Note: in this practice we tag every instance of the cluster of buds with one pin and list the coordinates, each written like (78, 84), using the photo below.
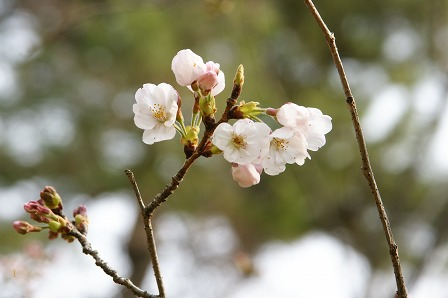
(48, 211)
(250, 145)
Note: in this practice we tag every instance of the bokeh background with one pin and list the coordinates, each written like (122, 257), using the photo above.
(68, 74)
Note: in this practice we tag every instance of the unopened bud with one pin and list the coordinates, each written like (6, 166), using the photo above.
(81, 209)
(81, 219)
(51, 198)
(271, 112)
(52, 235)
(54, 226)
(34, 207)
(248, 110)
(207, 82)
(239, 76)
(81, 223)
(39, 218)
(207, 105)
(191, 136)
(23, 227)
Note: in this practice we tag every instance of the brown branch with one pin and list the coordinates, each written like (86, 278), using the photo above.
(149, 235)
(87, 249)
(366, 167)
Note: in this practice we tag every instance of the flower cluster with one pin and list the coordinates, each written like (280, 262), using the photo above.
(250, 145)
(48, 211)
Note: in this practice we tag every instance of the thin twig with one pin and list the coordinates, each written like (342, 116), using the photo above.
(87, 249)
(149, 235)
(366, 167)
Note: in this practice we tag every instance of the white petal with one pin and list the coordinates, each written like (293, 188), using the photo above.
(222, 135)
(221, 84)
(187, 67)
(232, 154)
(143, 117)
(158, 133)
(319, 125)
(283, 133)
(292, 115)
(272, 168)
(320, 122)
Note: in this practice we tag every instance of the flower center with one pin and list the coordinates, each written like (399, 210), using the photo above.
(159, 112)
(239, 141)
(280, 144)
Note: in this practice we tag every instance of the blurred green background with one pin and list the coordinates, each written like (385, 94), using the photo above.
(70, 69)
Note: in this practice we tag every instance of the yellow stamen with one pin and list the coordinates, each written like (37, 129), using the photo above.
(239, 142)
(280, 144)
(159, 112)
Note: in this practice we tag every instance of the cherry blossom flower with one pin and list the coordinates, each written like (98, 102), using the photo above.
(286, 147)
(242, 143)
(308, 121)
(247, 175)
(189, 67)
(155, 112)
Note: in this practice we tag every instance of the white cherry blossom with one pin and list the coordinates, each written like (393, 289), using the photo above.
(308, 121)
(155, 112)
(286, 147)
(242, 143)
(189, 67)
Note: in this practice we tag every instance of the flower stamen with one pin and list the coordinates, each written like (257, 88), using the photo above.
(159, 112)
(280, 144)
(239, 142)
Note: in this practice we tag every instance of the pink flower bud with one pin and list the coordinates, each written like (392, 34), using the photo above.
(36, 208)
(81, 210)
(246, 175)
(23, 227)
(271, 112)
(212, 66)
(208, 81)
(81, 220)
(39, 218)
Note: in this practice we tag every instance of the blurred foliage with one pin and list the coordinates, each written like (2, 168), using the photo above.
(71, 113)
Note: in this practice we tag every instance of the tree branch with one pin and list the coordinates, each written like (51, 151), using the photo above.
(87, 249)
(366, 167)
(149, 235)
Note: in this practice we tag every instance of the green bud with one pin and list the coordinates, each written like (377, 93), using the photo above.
(215, 150)
(50, 197)
(250, 109)
(81, 223)
(54, 226)
(207, 105)
(191, 136)
(239, 76)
